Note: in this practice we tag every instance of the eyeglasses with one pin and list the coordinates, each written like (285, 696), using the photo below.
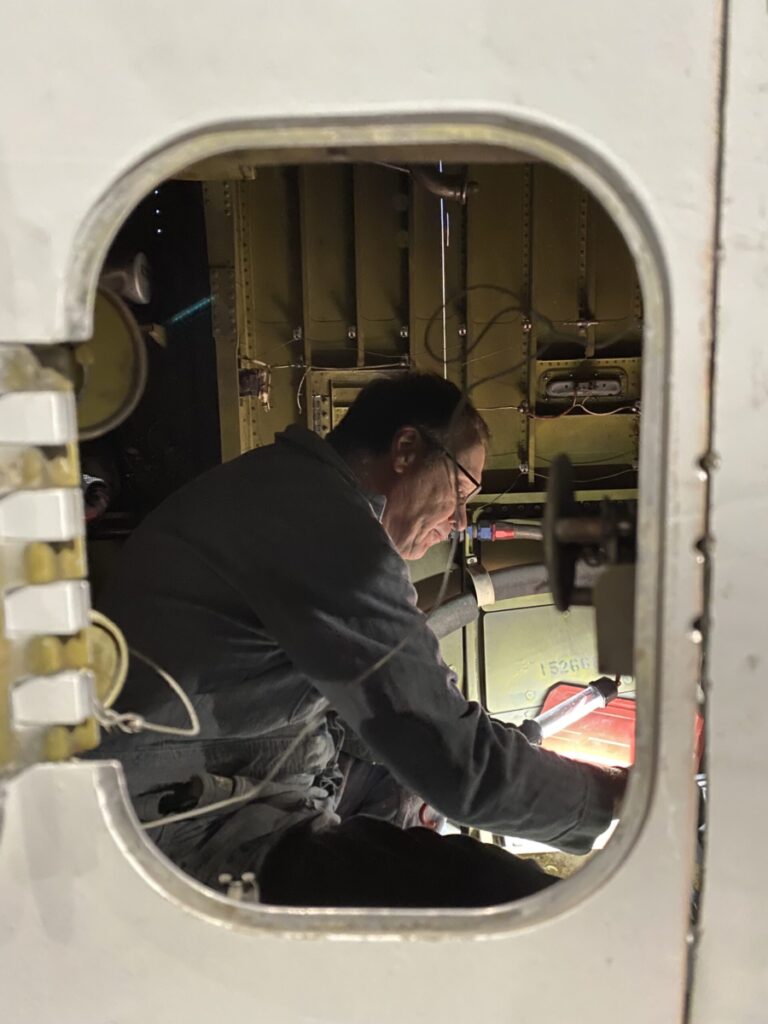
(476, 485)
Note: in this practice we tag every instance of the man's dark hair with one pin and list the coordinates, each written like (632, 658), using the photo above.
(423, 400)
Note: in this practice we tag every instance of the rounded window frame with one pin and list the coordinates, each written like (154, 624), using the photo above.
(592, 170)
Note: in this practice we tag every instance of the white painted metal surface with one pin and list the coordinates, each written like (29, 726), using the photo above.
(95, 925)
(62, 698)
(60, 608)
(50, 514)
(37, 417)
(731, 965)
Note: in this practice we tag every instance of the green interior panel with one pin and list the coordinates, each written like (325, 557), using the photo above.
(529, 649)
(436, 276)
(498, 296)
(381, 262)
(615, 445)
(269, 303)
(327, 253)
(342, 267)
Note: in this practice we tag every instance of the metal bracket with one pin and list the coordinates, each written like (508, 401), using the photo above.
(482, 583)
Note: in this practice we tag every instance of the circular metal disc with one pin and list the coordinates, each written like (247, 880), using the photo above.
(113, 368)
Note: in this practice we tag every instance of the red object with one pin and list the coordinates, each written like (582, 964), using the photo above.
(502, 531)
(604, 736)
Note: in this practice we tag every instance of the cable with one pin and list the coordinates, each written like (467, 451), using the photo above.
(397, 362)
(576, 404)
(530, 313)
(592, 462)
(100, 621)
(476, 512)
(298, 389)
(129, 722)
(592, 479)
(610, 412)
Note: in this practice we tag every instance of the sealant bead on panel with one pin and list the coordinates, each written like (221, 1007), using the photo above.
(45, 655)
(32, 467)
(38, 417)
(64, 698)
(19, 368)
(40, 562)
(51, 514)
(86, 736)
(58, 744)
(71, 562)
(62, 607)
(64, 470)
(85, 355)
(76, 653)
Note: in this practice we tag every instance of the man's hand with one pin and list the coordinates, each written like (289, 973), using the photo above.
(615, 781)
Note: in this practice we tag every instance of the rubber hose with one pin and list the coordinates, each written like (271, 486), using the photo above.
(514, 581)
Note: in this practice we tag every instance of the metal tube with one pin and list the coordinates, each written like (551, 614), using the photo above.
(594, 696)
(513, 581)
(446, 186)
(503, 530)
(572, 710)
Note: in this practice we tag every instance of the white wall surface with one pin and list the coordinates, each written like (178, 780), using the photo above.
(731, 966)
(91, 931)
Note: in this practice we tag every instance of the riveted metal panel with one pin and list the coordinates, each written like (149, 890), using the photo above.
(498, 303)
(381, 263)
(436, 277)
(529, 649)
(328, 265)
(220, 232)
(269, 299)
(613, 442)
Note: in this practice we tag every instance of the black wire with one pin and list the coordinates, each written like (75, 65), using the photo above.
(494, 501)
(592, 462)
(592, 479)
(535, 315)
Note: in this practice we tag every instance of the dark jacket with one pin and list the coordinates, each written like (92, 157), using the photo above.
(265, 585)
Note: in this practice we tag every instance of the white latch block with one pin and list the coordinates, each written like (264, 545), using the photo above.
(38, 417)
(52, 514)
(64, 698)
(60, 607)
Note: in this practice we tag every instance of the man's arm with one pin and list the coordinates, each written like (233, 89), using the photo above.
(349, 608)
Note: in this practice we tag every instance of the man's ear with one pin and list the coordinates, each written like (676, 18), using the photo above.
(405, 449)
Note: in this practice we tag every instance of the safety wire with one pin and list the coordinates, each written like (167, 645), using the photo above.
(129, 721)
(319, 713)
(394, 364)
